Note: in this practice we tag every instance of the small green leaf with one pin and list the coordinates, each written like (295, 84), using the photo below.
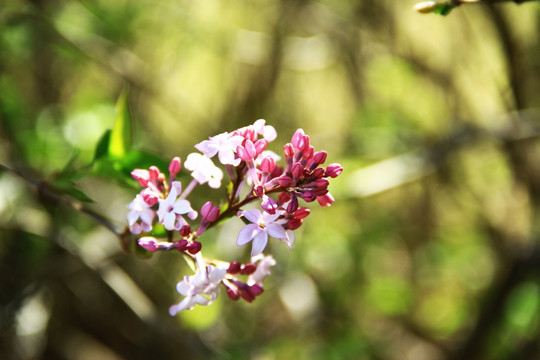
(141, 159)
(444, 9)
(102, 147)
(78, 194)
(121, 138)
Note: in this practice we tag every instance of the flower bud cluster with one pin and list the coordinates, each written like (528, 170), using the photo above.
(277, 191)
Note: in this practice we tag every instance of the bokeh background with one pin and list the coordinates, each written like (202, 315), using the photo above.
(430, 251)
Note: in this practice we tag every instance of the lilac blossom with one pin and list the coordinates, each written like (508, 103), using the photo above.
(204, 170)
(224, 145)
(140, 209)
(262, 225)
(201, 288)
(171, 209)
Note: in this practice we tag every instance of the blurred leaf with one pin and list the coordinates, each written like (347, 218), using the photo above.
(141, 159)
(121, 138)
(66, 186)
(444, 9)
(102, 147)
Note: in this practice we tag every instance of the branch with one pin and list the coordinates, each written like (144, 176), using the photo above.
(45, 190)
(444, 8)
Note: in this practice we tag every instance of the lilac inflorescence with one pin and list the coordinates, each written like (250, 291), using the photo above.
(251, 170)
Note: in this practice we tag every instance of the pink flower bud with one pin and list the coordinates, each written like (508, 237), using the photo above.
(174, 166)
(301, 213)
(148, 243)
(325, 200)
(142, 176)
(308, 153)
(294, 224)
(154, 172)
(205, 209)
(297, 170)
(320, 157)
(318, 172)
(260, 146)
(288, 150)
(322, 183)
(333, 170)
(284, 181)
(268, 164)
(284, 197)
(246, 295)
(298, 139)
(233, 293)
(213, 214)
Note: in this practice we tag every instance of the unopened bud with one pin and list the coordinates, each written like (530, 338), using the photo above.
(174, 166)
(148, 243)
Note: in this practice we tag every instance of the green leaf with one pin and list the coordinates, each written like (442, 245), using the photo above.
(444, 9)
(141, 159)
(121, 138)
(102, 147)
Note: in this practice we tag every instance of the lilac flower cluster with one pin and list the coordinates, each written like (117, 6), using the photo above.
(252, 170)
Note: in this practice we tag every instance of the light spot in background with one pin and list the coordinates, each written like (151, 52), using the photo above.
(299, 295)
(85, 128)
(251, 47)
(10, 189)
(30, 325)
(308, 53)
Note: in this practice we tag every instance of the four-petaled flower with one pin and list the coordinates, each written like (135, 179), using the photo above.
(201, 288)
(204, 170)
(262, 225)
(224, 145)
(170, 210)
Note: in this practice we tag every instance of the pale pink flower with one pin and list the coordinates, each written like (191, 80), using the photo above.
(140, 210)
(224, 145)
(201, 288)
(203, 170)
(267, 131)
(262, 225)
(170, 209)
(263, 269)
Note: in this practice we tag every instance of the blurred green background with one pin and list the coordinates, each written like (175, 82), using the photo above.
(429, 252)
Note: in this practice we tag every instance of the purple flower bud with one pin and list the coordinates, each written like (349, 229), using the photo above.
(148, 243)
(269, 205)
(293, 204)
(284, 197)
(194, 247)
(322, 183)
(154, 172)
(174, 166)
(298, 139)
(185, 230)
(213, 214)
(255, 290)
(325, 200)
(284, 181)
(309, 196)
(182, 245)
(205, 209)
(234, 268)
(333, 170)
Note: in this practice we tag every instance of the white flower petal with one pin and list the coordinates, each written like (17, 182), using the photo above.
(247, 233)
